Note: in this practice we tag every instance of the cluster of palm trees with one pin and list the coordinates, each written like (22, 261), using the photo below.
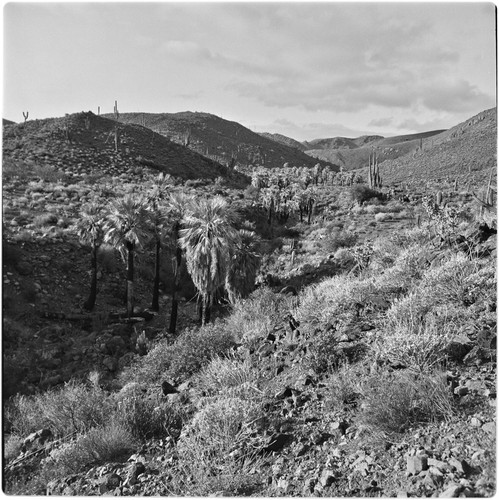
(201, 232)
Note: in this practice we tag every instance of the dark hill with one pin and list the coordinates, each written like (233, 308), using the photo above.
(342, 142)
(90, 148)
(220, 139)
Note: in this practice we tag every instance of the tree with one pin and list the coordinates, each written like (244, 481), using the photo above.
(244, 263)
(157, 218)
(206, 237)
(126, 230)
(176, 207)
(90, 231)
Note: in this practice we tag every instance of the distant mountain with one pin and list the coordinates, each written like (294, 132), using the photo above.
(220, 139)
(90, 148)
(352, 154)
(467, 151)
(341, 142)
(287, 141)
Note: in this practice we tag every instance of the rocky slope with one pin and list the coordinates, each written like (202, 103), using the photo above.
(220, 139)
(84, 144)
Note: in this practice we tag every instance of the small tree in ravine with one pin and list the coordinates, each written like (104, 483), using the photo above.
(207, 236)
(90, 231)
(126, 230)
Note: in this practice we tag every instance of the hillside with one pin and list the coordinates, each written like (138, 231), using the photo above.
(90, 148)
(465, 152)
(220, 139)
(354, 153)
(282, 139)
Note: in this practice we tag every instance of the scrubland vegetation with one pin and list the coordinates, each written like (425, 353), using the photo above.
(337, 325)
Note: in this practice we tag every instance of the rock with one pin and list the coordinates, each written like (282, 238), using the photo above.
(452, 491)
(461, 390)
(137, 469)
(327, 478)
(461, 466)
(278, 442)
(416, 464)
(475, 422)
(489, 427)
(168, 388)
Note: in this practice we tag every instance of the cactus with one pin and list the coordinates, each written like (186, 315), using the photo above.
(438, 198)
(25, 116)
(116, 130)
(374, 176)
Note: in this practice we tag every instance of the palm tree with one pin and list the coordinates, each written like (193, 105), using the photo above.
(176, 207)
(207, 235)
(157, 219)
(90, 231)
(126, 230)
(243, 267)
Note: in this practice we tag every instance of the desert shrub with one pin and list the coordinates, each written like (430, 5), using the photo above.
(196, 347)
(144, 416)
(343, 386)
(12, 447)
(361, 193)
(228, 375)
(109, 443)
(343, 257)
(220, 427)
(383, 216)
(459, 280)
(339, 239)
(44, 220)
(332, 299)
(385, 251)
(73, 407)
(256, 315)
(419, 346)
(191, 351)
(393, 402)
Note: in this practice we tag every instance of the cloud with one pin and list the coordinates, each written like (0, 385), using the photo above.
(380, 122)
(455, 96)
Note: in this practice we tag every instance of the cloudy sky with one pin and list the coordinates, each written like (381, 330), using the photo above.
(305, 70)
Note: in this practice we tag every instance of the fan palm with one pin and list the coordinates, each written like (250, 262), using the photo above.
(244, 264)
(90, 231)
(157, 219)
(126, 230)
(176, 207)
(207, 235)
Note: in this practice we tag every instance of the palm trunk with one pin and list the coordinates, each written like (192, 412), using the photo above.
(176, 285)
(90, 302)
(129, 279)
(157, 265)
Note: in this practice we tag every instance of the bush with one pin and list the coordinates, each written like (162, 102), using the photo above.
(393, 402)
(146, 417)
(44, 220)
(12, 447)
(417, 345)
(110, 443)
(192, 350)
(361, 193)
(229, 376)
(256, 315)
(196, 347)
(73, 407)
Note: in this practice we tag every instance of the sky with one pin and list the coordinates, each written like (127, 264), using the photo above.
(305, 70)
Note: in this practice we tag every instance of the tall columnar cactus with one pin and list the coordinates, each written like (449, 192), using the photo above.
(439, 198)
(116, 129)
(374, 176)
(25, 116)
